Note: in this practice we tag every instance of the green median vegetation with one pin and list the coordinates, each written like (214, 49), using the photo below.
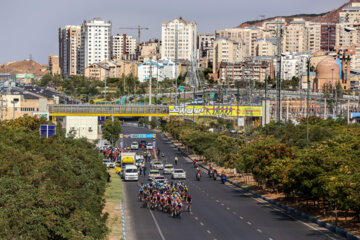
(49, 188)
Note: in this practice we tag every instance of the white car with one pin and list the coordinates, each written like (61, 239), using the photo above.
(149, 146)
(134, 146)
(160, 179)
(153, 173)
(178, 174)
(168, 169)
(108, 164)
(157, 165)
(131, 173)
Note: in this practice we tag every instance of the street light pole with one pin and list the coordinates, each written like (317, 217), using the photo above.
(307, 103)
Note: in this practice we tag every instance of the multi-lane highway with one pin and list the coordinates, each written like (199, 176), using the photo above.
(218, 211)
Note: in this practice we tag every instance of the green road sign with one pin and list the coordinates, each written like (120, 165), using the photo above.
(181, 88)
(212, 95)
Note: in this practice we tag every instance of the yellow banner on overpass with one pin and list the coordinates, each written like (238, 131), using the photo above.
(215, 111)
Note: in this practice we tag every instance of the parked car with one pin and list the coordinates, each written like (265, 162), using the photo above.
(178, 174)
(168, 169)
(134, 146)
(108, 163)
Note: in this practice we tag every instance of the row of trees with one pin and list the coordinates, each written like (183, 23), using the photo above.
(49, 188)
(328, 173)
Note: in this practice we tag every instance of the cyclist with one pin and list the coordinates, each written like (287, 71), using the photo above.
(189, 202)
(195, 162)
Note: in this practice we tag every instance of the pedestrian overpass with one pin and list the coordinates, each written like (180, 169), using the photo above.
(108, 110)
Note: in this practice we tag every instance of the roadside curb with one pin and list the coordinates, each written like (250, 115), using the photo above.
(123, 220)
(336, 230)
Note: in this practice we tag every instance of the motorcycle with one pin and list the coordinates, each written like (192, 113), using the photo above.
(198, 176)
(215, 176)
(211, 173)
(195, 164)
(223, 179)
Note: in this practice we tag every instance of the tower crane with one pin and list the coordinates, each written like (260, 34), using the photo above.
(139, 28)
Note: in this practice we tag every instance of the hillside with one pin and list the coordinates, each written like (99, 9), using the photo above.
(328, 17)
(25, 66)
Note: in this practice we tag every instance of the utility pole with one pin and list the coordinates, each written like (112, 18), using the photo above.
(278, 80)
(307, 103)
(150, 86)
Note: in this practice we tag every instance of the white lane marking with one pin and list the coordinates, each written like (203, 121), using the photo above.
(270, 239)
(212, 197)
(157, 226)
(241, 217)
(228, 208)
(259, 230)
(217, 201)
(208, 231)
(196, 218)
(248, 223)
(234, 213)
(222, 204)
(201, 224)
(191, 213)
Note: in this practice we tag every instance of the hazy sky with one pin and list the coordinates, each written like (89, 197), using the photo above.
(31, 26)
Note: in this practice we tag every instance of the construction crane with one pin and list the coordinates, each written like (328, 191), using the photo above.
(139, 28)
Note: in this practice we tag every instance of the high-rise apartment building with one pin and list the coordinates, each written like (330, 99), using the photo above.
(95, 42)
(313, 31)
(179, 40)
(123, 47)
(266, 47)
(350, 14)
(69, 50)
(247, 37)
(226, 51)
(295, 36)
(206, 41)
(328, 36)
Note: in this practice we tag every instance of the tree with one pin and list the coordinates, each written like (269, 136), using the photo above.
(112, 129)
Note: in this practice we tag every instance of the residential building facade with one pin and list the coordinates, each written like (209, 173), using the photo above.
(103, 70)
(54, 67)
(95, 42)
(226, 51)
(123, 47)
(160, 69)
(179, 40)
(69, 50)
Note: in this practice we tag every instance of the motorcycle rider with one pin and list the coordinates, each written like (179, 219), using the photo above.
(176, 161)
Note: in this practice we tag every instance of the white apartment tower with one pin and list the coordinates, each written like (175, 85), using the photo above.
(123, 47)
(95, 42)
(179, 40)
(69, 50)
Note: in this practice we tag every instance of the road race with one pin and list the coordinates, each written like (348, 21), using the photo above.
(157, 205)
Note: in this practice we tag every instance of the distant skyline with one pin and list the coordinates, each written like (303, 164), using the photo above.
(31, 27)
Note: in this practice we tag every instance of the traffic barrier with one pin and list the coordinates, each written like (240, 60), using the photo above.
(340, 231)
(321, 223)
(330, 227)
(350, 236)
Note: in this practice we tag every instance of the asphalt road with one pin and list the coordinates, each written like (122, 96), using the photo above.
(218, 211)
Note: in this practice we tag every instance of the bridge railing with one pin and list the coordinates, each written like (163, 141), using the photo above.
(107, 109)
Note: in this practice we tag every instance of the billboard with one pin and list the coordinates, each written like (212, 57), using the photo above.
(25, 75)
(41, 114)
(215, 111)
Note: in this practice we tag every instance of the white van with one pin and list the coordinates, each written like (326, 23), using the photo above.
(131, 173)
